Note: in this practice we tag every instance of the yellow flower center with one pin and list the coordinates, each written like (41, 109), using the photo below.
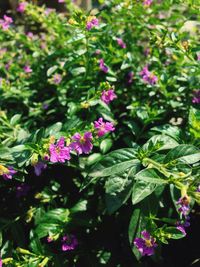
(82, 140)
(148, 243)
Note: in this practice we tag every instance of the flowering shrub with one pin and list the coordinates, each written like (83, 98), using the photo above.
(100, 132)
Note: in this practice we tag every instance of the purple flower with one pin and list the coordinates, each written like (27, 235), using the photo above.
(5, 22)
(57, 78)
(198, 56)
(130, 77)
(69, 242)
(27, 69)
(148, 76)
(121, 43)
(146, 244)
(184, 206)
(196, 97)
(21, 7)
(61, 1)
(82, 144)
(39, 167)
(147, 2)
(59, 152)
(102, 65)
(92, 22)
(9, 175)
(108, 96)
(1, 264)
(182, 225)
(22, 190)
(103, 127)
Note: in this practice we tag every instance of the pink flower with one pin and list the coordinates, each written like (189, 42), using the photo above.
(21, 7)
(57, 78)
(103, 127)
(9, 175)
(147, 2)
(148, 76)
(198, 56)
(82, 144)
(5, 22)
(102, 65)
(69, 242)
(59, 152)
(108, 96)
(27, 69)
(94, 22)
(1, 264)
(61, 1)
(121, 43)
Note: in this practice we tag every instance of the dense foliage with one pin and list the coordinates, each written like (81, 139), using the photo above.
(100, 132)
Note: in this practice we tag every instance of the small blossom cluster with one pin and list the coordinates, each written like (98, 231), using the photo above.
(5, 22)
(80, 143)
(92, 22)
(148, 77)
(145, 244)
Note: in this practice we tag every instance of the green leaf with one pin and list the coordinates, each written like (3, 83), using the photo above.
(118, 190)
(51, 70)
(115, 162)
(79, 207)
(105, 145)
(94, 158)
(35, 243)
(173, 232)
(151, 175)
(78, 71)
(141, 190)
(55, 128)
(60, 214)
(15, 119)
(185, 153)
